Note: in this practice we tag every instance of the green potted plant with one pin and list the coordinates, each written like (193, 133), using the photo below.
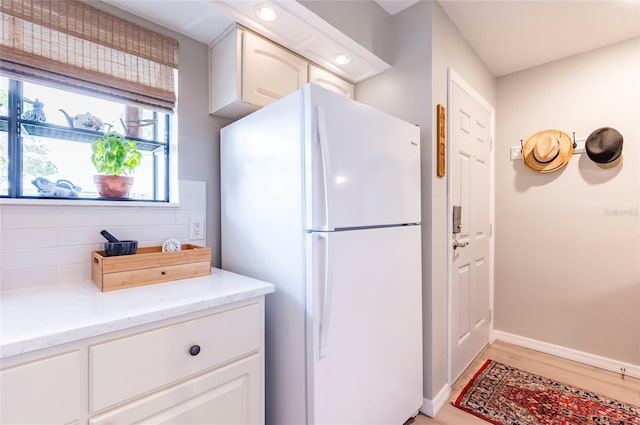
(114, 157)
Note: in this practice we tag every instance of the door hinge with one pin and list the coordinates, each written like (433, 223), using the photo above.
(490, 230)
(491, 315)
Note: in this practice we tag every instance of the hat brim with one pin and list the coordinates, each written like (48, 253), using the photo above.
(606, 165)
(563, 157)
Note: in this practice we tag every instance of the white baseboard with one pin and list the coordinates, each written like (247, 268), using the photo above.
(569, 354)
(431, 407)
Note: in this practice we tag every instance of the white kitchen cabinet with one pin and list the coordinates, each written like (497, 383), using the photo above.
(222, 397)
(204, 367)
(163, 356)
(247, 72)
(42, 391)
(330, 81)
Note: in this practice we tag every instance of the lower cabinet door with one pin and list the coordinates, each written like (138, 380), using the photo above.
(44, 391)
(231, 395)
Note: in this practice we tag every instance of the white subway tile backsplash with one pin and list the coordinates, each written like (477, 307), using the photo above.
(48, 245)
(28, 238)
(13, 259)
(182, 216)
(75, 272)
(173, 231)
(28, 278)
(139, 216)
(193, 202)
(79, 217)
(76, 254)
(23, 217)
(79, 235)
(123, 233)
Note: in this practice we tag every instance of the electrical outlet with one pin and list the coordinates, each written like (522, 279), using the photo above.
(196, 228)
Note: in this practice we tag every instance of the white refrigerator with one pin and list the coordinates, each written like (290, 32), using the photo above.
(320, 195)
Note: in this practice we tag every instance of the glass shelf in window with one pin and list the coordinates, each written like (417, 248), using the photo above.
(34, 128)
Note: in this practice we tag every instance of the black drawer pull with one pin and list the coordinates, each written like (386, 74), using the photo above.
(194, 350)
(163, 273)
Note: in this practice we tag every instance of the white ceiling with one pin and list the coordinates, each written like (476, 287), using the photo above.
(507, 35)
(296, 28)
(510, 36)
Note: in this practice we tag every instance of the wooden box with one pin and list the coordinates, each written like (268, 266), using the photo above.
(149, 265)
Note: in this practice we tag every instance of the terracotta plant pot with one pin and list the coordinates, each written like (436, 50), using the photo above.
(113, 186)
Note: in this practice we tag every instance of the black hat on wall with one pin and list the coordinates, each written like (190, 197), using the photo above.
(604, 145)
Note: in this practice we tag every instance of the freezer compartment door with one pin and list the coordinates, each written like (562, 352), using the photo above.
(362, 166)
(364, 330)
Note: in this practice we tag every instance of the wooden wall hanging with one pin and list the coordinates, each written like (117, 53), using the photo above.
(441, 146)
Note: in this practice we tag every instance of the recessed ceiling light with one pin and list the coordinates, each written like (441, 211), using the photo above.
(266, 13)
(342, 59)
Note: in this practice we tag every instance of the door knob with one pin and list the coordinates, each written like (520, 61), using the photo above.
(458, 244)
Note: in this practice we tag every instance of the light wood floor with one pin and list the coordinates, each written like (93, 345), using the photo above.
(576, 374)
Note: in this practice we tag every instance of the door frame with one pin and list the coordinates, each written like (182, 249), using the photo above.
(453, 77)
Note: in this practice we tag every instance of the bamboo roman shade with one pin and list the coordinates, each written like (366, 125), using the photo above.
(71, 44)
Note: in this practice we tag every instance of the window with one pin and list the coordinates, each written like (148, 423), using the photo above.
(40, 140)
(69, 74)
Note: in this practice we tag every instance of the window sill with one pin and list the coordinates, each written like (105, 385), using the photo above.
(86, 203)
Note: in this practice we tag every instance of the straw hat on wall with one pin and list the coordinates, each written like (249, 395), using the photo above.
(547, 151)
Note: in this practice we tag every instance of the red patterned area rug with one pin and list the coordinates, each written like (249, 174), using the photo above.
(504, 395)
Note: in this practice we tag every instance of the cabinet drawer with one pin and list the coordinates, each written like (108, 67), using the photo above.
(125, 368)
(130, 278)
(231, 395)
(45, 391)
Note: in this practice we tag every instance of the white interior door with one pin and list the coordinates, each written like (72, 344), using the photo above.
(366, 354)
(470, 176)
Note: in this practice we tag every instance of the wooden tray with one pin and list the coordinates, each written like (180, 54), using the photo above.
(149, 265)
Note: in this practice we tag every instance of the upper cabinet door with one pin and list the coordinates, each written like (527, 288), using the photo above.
(269, 72)
(330, 82)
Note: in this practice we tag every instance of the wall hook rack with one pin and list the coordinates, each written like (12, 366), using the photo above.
(578, 147)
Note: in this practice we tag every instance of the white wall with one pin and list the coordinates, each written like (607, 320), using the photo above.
(62, 238)
(198, 133)
(44, 245)
(568, 242)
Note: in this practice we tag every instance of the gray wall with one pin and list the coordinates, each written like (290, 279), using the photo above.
(198, 133)
(450, 50)
(405, 91)
(568, 242)
(426, 44)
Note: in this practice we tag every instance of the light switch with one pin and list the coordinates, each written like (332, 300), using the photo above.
(516, 152)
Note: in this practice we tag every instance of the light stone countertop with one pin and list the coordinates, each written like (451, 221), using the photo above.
(37, 318)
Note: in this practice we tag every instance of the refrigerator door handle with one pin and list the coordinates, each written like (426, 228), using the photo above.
(324, 290)
(325, 158)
